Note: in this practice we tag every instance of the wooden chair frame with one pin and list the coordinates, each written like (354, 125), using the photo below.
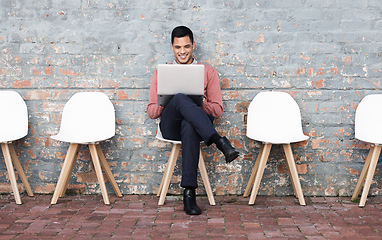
(163, 188)
(367, 174)
(99, 162)
(258, 170)
(10, 157)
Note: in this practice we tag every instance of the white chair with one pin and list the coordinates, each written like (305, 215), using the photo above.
(162, 191)
(13, 126)
(368, 128)
(274, 118)
(87, 118)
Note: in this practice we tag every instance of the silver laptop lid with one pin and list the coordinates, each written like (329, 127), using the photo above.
(179, 78)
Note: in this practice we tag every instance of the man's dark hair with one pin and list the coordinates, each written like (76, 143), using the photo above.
(181, 31)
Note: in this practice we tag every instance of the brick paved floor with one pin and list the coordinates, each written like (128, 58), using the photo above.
(139, 217)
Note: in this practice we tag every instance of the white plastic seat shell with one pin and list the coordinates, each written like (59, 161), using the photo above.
(274, 117)
(87, 117)
(14, 119)
(159, 136)
(368, 119)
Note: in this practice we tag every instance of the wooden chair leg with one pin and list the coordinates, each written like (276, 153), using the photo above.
(370, 174)
(162, 181)
(294, 175)
(362, 177)
(98, 170)
(65, 172)
(20, 170)
(292, 181)
(73, 157)
(165, 173)
(167, 177)
(207, 185)
(260, 171)
(253, 174)
(108, 172)
(11, 172)
(166, 170)
(290, 174)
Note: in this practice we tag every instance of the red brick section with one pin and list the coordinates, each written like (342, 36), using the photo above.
(139, 217)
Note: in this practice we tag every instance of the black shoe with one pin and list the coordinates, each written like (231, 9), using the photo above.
(229, 152)
(189, 201)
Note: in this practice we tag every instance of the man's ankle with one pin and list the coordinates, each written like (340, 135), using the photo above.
(214, 138)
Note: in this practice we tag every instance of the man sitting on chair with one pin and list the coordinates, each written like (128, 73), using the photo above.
(184, 121)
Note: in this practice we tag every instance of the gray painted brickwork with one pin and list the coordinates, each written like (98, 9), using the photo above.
(326, 54)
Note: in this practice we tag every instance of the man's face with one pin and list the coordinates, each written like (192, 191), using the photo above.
(183, 48)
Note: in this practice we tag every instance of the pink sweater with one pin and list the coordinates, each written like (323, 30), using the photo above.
(212, 103)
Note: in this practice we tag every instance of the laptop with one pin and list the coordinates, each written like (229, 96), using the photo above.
(178, 78)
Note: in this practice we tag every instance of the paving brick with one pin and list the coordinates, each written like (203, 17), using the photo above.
(273, 234)
(285, 221)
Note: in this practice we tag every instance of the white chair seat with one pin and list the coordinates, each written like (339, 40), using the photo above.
(281, 140)
(159, 136)
(274, 118)
(64, 137)
(87, 117)
(14, 117)
(368, 127)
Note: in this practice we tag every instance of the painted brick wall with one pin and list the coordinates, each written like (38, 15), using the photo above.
(326, 54)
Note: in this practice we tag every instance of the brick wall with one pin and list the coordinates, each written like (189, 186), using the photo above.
(326, 54)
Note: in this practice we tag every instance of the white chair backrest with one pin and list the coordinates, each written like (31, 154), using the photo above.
(368, 119)
(14, 116)
(87, 117)
(274, 117)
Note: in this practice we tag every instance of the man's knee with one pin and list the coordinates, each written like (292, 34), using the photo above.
(188, 130)
(180, 97)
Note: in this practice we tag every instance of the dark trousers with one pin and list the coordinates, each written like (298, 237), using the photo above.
(184, 121)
